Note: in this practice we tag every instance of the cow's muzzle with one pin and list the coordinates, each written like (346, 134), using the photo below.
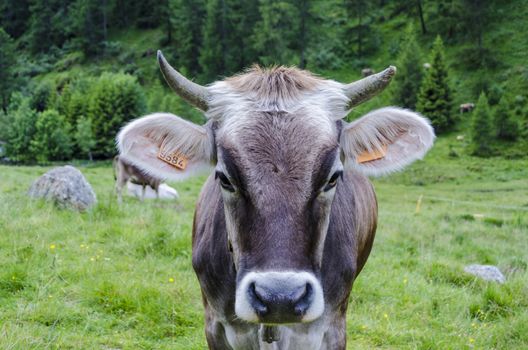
(279, 297)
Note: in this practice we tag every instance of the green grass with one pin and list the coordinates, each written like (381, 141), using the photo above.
(121, 277)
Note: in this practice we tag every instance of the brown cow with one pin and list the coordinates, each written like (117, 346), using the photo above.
(466, 107)
(125, 171)
(365, 72)
(286, 221)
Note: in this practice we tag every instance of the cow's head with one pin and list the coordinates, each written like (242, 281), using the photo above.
(278, 146)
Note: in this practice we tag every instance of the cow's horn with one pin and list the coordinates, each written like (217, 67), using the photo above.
(195, 94)
(366, 88)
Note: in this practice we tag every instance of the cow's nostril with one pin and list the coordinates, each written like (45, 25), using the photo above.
(257, 301)
(280, 301)
(303, 302)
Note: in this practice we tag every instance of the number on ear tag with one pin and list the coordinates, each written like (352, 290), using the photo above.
(371, 156)
(176, 159)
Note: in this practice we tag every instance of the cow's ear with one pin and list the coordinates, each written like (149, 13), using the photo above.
(166, 146)
(386, 140)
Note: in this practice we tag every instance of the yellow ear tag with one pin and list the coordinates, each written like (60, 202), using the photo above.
(176, 159)
(371, 156)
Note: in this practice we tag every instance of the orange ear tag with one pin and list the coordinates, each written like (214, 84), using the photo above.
(176, 159)
(371, 156)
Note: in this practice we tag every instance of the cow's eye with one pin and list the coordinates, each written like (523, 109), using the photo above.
(224, 182)
(333, 181)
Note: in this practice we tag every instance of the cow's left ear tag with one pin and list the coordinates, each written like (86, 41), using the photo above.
(176, 159)
(373, 155)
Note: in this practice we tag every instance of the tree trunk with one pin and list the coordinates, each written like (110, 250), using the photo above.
(105, 24)
(168, 22)
(4, 104)
(420, 13)
(223, 37)
(359, 33)
(302, 63)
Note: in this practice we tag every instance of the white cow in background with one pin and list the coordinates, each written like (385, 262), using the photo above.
(164, 191)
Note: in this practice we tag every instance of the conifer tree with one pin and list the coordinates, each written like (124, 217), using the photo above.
(357, 28)
(14, 16)
(407, 82)
(275, 33)
(481, 128)
(434, 98)
(519, 112)
(114, 100)
(7, 62)
(242, 16)
(49, 24)
(213, 54)
(187, 19)
(506, 127)
(90, 25)
(227, 42)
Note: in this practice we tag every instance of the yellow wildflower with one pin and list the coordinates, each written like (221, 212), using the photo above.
(171, 280)
(52, 246)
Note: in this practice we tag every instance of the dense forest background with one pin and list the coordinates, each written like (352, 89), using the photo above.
(73, 72)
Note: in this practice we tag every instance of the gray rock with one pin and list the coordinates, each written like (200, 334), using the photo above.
(486, 272)
(66, 187)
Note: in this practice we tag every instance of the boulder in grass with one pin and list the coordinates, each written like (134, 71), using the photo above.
(66, 187)
(486, 272)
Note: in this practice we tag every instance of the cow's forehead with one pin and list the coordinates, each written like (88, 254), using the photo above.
(278, 134)
(278, 89)
(286, 128)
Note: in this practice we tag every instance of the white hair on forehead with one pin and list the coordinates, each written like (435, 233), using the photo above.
(227, 102)
(317, 108)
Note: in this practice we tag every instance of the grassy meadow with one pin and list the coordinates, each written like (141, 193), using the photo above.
(121, 277)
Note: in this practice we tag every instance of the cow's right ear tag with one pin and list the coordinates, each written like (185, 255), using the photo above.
(176, 159)
(373, 155)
